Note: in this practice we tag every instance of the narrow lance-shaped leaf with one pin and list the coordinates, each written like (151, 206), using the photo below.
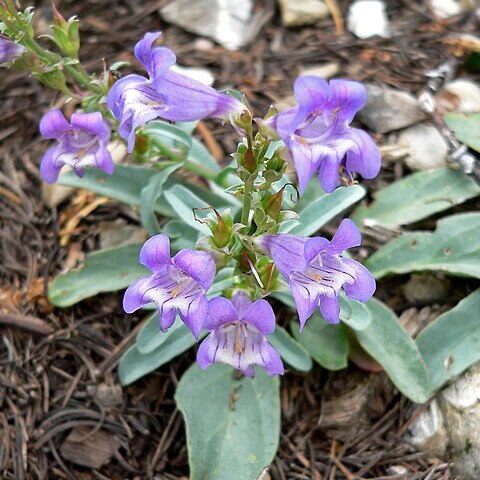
(233, 425)
(103, 271)
(134, 364)
(417, 196)
(290, 350)
(450, 344)
(386, 341)
(453, 248)
(149, 196)
(317, 212)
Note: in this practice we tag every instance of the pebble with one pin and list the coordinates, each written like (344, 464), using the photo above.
(388, 109)
(460, 96)
(450, 8)
(425, 289)
(426, 146)
(225, 21)
(367, 18)
(324, 70)
(303, 12)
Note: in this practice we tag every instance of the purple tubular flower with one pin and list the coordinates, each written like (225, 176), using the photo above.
(177, 284)
(9, 50)
(81, 143)
(238, 335)
(135, 100)
(317, 132)
(316, 270)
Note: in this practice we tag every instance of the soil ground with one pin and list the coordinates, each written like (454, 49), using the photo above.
(55, 363)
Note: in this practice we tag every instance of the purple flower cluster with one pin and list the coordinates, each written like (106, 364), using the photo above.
(318, 133)
(179, 285)
(10, 51)
(81, 143)
(135, 100)
(314, 267)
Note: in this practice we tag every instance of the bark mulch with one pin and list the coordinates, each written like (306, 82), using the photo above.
(60, 402)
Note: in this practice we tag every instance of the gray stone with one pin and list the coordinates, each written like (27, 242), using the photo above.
(388, 109)
(460, 96)
(325, 70)
(53, 195)
(225, 21)
(425, 289)
(460, 405)
(450, 8)
(302, 12)
(428, 431)
(367, 18)
(426, 146)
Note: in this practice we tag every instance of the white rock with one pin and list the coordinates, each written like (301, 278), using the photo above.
(53, 195)
(225, 21)
(450, 8)
(201, 74)
(325, 70)
(460, 96)
(460, 405)
(428, 431)
(388, 109)
(367, 18)
(302, 12)
(426, 145)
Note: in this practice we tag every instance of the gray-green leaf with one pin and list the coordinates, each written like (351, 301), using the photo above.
(326, 343)
(466, 128)
(135, 364)
(316, 210)
(453, 248)
(233, 426)
(418, 196)
(103, 271)
(290, 350)
(450, 344)
(386, 341)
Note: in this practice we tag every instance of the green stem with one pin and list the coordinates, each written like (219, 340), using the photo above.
(247, 200)
(199, 169)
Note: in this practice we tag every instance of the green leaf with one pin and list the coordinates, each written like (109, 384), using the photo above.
(453, 248)
(134, 364)
(126, 185)
(417, 196)
(326, 343)
(103, 271)
(290, 350)
(168, 134)
(466, 128)
(149, 196)
(386, 341)
(233, 425)
(199, 154)
(354, 313)
(450, 344)
(181, 235)
(183, 201)
(315, 212)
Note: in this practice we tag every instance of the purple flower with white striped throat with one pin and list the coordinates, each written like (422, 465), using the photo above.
(135, 100)
(318, 134)
(9, 51)
(81, 143)
(238, 335)
(177, 285)
(317, 271)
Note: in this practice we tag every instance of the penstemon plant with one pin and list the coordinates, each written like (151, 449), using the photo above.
(221, 251)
